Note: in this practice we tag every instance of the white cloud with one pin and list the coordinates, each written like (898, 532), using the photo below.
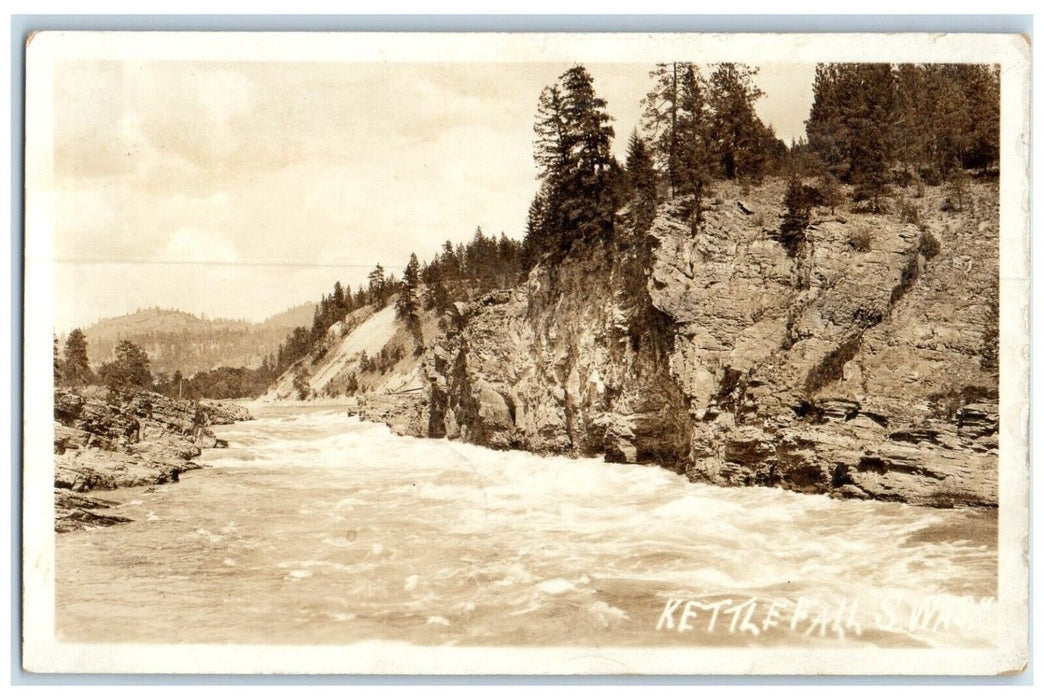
(270, 181)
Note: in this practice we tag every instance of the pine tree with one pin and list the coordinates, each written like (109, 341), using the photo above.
(830, 190)
(982, 90)
(538, 237)
(852, 126)
(871, 132)
(576, 167)
(130, 369)
(76, 370)
(378, 287)
(660, 117)
(338, 301)
(694, 155)
(797, 202)
(349, 303)
(301, 383)
(588, 194)
(641, 175)
(736, 130)
(406, 304)
(507, 255)
(826, 126)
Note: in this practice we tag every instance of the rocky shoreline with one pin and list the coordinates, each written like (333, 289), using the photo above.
(104, 442)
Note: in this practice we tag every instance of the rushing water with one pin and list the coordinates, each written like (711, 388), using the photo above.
(314, 528)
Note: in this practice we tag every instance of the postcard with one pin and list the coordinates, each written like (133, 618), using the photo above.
(496, 353)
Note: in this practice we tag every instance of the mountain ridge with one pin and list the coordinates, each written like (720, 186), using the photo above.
(177, 340)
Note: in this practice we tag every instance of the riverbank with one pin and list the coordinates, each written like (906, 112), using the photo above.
(104, 442)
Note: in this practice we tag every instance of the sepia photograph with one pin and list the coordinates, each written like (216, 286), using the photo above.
(489, 353)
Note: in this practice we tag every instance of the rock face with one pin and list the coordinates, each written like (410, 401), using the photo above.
(143, 439)
(832, 367)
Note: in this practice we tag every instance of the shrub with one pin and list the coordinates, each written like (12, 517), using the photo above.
(908, 211)
(930, 175)
(860, 238)
(956, 191)
(829, 191)
(831, 367)
(918, 184)
(301, 384)
(798, 202)
(929, 245)
(871, 194)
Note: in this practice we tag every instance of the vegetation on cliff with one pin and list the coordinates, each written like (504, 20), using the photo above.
(820, 316)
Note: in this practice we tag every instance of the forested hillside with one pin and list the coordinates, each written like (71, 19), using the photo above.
(179, 341)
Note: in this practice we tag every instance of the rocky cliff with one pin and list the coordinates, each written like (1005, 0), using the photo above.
(860, 361)
(138, 440)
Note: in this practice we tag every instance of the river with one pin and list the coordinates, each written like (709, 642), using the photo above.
(315, 528)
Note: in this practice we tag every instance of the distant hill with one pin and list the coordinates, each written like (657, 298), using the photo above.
(177, 340)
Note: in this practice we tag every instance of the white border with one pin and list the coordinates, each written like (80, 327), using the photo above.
(42, 652)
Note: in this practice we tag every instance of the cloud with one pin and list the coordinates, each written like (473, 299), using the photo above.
(253, 186)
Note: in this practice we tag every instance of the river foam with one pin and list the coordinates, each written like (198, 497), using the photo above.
(316, 528)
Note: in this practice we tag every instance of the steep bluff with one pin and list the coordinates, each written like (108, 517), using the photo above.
(859, 362)
(142, 439)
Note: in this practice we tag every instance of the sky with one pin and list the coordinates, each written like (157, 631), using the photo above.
(237, 190)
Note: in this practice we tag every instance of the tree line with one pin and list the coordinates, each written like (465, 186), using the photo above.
(332, 308)
(873, 124)
(130, 370)
(456, 273)
(695, 128)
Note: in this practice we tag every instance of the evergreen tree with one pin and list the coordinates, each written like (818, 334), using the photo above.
(852, 125)
(406, 304)
(508, 264)
(575, 164)
(538, 237)
(449, 263)
(830, 190)
(130, 369)
(76, 370)
(301, 383)
(588, 200)
(338, 300)
(982, 91)
(378, 287)
(737, 132)
(827, 126)
(660, 117)
(872, 135)
(797, 201)
(694, 154)
(641, 175)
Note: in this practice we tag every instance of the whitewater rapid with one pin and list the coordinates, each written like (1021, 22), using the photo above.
(315, 528)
